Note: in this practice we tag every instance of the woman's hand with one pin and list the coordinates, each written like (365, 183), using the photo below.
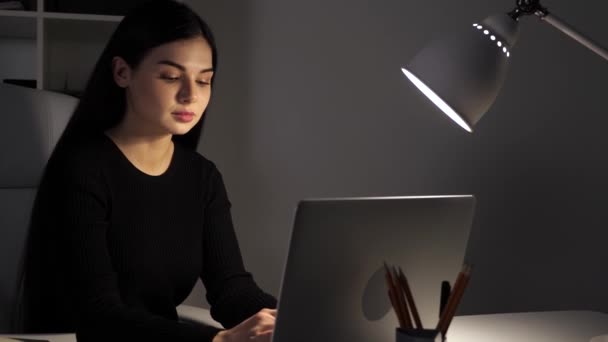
(257, 328)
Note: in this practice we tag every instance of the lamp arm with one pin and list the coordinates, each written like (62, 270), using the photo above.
(568, 30)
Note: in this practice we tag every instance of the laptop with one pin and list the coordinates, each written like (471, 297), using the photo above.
(333, 286)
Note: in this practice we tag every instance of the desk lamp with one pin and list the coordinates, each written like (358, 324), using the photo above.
(462, 73)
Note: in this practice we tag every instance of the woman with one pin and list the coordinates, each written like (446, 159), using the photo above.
(128, 215)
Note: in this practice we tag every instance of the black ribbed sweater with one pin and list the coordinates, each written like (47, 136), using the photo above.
(113, 251)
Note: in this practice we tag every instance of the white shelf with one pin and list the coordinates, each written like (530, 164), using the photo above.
(71, 48)
(84, 17)
(20, 13)
(17, 27)
(58, 15)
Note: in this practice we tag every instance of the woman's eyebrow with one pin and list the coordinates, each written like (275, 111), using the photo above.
(181, 67)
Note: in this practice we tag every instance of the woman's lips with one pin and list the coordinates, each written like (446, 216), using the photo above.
(183, 116)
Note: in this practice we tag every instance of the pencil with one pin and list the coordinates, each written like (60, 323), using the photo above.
(392, 294)
(410, 298)
(400, 297)
(455, 297)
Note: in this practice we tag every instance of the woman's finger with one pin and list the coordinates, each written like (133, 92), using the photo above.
(272, 312)
(264, 327)
(265, 315)
(265, 336)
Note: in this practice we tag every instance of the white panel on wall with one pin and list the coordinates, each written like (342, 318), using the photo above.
(72, 49)
(17, 59)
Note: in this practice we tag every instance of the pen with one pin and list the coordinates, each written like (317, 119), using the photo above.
(445, 294)
(455, 297)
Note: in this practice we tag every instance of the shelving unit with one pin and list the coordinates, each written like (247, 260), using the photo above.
(11, 13)
(57, 50)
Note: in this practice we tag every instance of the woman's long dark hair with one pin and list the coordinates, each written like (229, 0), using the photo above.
(147, 26)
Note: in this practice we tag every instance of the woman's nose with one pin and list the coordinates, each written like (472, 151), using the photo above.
(187, 92)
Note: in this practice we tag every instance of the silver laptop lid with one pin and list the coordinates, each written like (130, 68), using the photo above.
(333, 286)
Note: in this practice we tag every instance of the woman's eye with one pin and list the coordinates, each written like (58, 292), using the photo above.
(172, 79)
(169, 78)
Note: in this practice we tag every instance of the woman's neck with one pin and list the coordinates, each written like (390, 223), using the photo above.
(150, 154)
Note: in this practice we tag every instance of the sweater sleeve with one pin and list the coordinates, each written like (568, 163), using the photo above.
(231, 290)
(83, 212)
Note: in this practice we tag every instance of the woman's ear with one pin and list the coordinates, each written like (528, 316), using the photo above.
(121, 72)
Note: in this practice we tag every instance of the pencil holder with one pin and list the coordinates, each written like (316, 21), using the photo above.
(418, 335)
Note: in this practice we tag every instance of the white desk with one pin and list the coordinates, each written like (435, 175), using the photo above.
(553, 326)
(49, 337)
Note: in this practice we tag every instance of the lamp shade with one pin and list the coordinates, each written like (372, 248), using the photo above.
(462, 73)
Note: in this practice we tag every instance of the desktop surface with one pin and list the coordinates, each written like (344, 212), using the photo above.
(548, 326)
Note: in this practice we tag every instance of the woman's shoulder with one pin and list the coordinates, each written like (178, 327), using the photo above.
(196, 159)
(84, 156)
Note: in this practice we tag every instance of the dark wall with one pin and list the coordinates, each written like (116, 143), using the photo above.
(310, 102)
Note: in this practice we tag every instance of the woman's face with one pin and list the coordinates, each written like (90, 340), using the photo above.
(169, 90)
